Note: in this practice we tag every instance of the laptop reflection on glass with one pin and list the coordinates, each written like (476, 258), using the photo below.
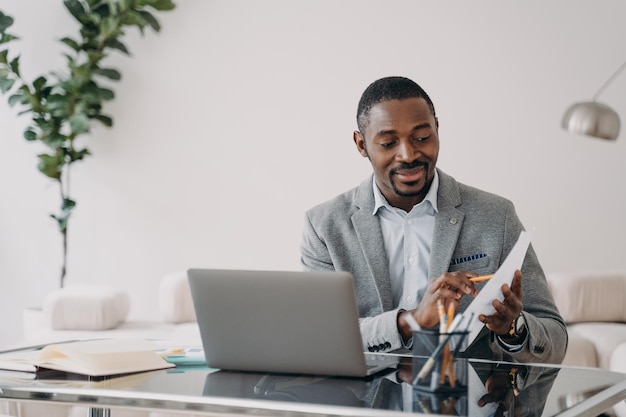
(281, 322)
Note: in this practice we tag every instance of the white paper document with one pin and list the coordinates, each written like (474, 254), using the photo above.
(476, 390)
(482, 304)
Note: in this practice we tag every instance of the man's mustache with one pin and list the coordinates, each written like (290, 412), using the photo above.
(406, 166)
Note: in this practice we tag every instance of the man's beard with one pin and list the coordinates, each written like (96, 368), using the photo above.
(414, 164)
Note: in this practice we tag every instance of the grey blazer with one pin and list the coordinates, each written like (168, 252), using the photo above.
(474, 231)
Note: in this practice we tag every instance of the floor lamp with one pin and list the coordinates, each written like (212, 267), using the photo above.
(592, 118)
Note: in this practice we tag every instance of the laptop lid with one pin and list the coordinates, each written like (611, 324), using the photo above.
(279, 321)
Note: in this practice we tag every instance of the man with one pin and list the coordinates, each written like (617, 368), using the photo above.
(412, 236)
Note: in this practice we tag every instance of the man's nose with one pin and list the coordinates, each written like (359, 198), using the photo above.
(406, 152)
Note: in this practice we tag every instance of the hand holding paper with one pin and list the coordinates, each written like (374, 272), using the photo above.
(506, 310)
(482, 304)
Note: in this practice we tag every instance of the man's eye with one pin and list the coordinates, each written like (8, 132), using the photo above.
(387, 144)
(425, 138)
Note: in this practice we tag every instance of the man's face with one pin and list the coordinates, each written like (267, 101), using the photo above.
(402, 143)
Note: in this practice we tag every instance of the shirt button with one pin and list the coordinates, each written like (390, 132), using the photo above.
(453, 220)
(411, 260)
(409, 221)
(409, 299)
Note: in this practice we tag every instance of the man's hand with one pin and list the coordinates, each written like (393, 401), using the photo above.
(499, 391)
(507, 310)
(449, 288)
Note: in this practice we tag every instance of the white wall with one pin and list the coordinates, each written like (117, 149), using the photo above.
(238, 116)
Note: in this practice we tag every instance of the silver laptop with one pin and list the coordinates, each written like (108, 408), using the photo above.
(281, 322)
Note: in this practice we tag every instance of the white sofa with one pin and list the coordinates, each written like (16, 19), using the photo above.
(594, 307)
(100, 312)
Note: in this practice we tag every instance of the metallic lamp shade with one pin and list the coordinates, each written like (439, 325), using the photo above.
(592, 119)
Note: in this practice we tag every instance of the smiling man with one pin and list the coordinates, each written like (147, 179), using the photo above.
(412, 237)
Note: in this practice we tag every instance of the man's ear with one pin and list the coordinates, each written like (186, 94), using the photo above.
(359, 141)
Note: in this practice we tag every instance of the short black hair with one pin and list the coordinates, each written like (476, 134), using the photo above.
(388, 88)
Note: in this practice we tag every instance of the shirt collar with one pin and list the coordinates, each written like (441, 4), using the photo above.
(431, 196)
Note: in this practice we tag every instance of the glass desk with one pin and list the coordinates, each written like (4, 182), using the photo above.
(538, 391)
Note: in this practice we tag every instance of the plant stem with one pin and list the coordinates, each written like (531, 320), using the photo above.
(64, 236)
(64, 266)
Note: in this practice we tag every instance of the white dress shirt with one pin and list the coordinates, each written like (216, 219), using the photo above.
(408, 240)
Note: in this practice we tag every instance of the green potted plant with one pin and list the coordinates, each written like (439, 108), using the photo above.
(63, 105)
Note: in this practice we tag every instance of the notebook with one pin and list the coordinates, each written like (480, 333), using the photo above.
(281, 322)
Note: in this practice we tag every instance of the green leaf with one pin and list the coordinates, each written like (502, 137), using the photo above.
(102, 10)
(106, 94)
(132, 18)
(105, 120)
(151, 20)
(54, 140)
(109, 27)
(79, 123)
(50, 165)
(71, 43)
(67, 204)
(30, 135)
(157, 4)
(5, 22)
(16, 98)
(124, 5)
(109, 73)
(6, 37)
(15, 65)
(57, 103)
(6, 84)
(78, 155)
(90, 94)
(76, 9)
(3, 56)
(61, 222)
(116, 44)
(39, 83)
(95, 56)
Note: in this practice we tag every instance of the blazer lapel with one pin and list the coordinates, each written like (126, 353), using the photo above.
(370, 235)
(448, 222)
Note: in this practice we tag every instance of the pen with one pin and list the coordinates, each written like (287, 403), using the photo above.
(482, 278)
(451, 375)
(443, 327)
(412, 323)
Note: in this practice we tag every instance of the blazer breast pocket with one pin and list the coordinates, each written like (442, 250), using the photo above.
(474, 263)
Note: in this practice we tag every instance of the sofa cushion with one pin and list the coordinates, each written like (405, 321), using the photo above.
(618, 359)
(580, 351)
(606, 337)
(589, 297)
(618, 364)
(175, 302)
(85, 307)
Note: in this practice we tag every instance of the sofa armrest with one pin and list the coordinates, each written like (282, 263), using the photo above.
(175, 302)
(599, 297)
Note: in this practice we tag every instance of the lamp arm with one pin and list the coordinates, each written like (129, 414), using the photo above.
(609, 81)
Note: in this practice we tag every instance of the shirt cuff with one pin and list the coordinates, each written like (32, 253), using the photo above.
(512, 348)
